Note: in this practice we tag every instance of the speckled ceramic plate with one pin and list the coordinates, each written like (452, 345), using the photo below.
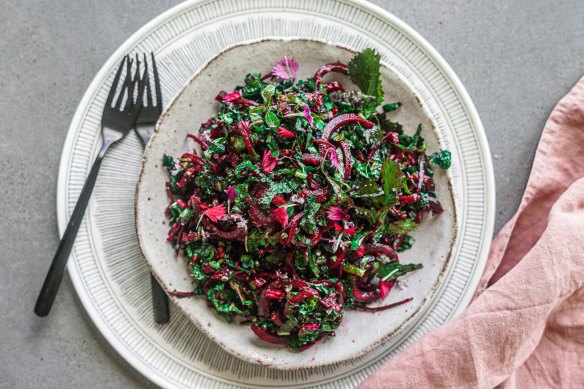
(107, 267)
(195, 103)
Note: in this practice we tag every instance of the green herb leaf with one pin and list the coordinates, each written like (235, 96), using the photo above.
(348, 288)
(255, 113)
(356, 240)
(257, 240)
(391, 107)
(216, 146)
(364, 213)
(253, 80)
(367, 189)
(245, 165)
(352, 269)
(186, 215)
(392, 270)
(391, 175)
(312, 264)
(271, 119)
(268, 92)
(238, 143)
(197, 273)
(402, 227)
(277, 188)
(407, 244)
(364, 72)
(247, 261)
(308, 222)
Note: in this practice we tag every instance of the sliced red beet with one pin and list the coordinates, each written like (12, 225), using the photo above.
(362, 296)
(347, 159)
(267, 337)
(311, 159)
(331, 67)
(338, 122)
(379, 249)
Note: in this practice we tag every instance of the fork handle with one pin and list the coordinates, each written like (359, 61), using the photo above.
(57, 270)
(159, 302)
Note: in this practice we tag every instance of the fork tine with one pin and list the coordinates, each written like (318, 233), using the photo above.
(130, 102)
(156, 84)
(127, 82)
(146, 80)
(140, 97)
(110, 97)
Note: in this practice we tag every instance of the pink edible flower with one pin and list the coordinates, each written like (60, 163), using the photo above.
(360, 251)
(232, 96)
(269, 162)
(283, 132)
(385, 287)
(231, 193)
(334, 157)
(308, 116)
(310, 326)
(336, 213)
(349, 231)
(281, 216)
(215, 213)
(285, 69)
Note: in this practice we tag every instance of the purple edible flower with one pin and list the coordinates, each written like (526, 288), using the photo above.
(308, 116)
(334, 157)
(336, 213)
(285, 69)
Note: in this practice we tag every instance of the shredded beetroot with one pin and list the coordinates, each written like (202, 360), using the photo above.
(243, 130)
(267, 337)
(203, 145)
(246, 102)
(347, 159)
(311, 159)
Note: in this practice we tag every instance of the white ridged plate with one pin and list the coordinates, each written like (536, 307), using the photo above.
(107, 268)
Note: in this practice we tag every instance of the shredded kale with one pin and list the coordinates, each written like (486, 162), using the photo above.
(300, 200)
(168, 162)
(442, 158)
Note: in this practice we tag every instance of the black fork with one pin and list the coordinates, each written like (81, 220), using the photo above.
(145, 123)
(117, 120)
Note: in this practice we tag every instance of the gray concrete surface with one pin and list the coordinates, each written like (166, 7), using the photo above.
(516, 59)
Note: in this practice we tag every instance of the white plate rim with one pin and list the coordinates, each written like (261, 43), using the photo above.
(93, 88)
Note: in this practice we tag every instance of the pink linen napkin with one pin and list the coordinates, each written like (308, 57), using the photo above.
(525, 327)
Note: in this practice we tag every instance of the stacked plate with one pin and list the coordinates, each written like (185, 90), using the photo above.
(108, 269)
